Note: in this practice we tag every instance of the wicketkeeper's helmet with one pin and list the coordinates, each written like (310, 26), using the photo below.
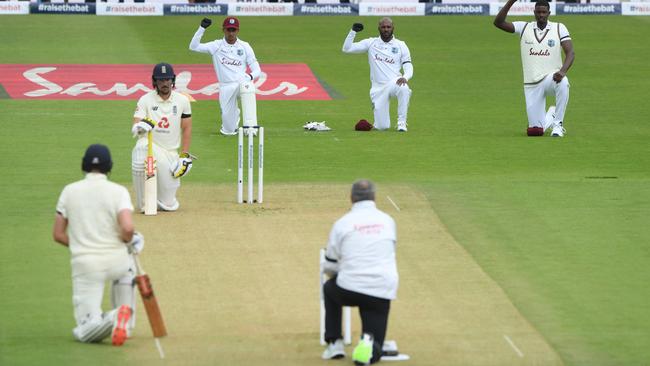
(162, 71)
(97, 157)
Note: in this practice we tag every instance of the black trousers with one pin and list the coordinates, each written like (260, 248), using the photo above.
(373, 311)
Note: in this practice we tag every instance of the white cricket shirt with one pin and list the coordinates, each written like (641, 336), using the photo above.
(363, 242)
(386, 59)
(91, 207)
(541, 50)
(229, 60)
(167, 114)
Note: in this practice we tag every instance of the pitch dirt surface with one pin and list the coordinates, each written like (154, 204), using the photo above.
(238, 284)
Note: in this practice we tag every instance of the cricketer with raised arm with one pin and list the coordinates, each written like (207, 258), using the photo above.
(542, 43)
(387, 57)
(231, 58)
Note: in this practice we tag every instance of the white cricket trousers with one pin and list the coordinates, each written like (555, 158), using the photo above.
(167, 186)
(87, 296)
(536, 100)
(380, 95)
(228, 93)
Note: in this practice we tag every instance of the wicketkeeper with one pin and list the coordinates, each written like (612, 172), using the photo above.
(94, 220)
(236, 67)
(168, 115)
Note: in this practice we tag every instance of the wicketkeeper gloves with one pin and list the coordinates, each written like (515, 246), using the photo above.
(205, 23)
(183, 165)
(357, 27)
(145, 125)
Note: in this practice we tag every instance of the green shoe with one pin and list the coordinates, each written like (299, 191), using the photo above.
(363, 351)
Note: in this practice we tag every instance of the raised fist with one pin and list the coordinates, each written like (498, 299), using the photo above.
(206, 23)
(357, 27)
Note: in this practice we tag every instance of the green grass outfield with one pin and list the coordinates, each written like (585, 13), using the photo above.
(560, 224)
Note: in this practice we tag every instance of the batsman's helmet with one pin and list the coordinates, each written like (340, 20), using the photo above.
(97, 157)
(162, 71)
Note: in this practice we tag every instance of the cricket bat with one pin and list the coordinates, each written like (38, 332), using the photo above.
(150, 182)
(149, 300)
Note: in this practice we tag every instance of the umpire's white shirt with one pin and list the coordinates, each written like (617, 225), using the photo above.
(91, 207)
(229, 60)
(386, 59)
(363, 242)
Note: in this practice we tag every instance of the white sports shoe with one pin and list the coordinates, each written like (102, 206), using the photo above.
(227, 133)
(334, 350)
(550, 116)
(401, 126)
(558, 130)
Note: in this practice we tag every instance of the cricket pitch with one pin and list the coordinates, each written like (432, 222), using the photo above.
(238, 284)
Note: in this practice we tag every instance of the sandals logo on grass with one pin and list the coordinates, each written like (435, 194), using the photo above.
(129, 82)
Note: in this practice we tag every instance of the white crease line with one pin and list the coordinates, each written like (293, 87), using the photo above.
(512, 344)
(394, 205)
(160, 350)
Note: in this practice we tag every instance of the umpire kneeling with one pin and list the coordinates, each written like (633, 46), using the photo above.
(360, 257)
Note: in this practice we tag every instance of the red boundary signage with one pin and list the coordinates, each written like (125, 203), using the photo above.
(129, 82)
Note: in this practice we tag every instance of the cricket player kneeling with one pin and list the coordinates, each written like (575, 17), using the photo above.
(166, 115)
(97, 235)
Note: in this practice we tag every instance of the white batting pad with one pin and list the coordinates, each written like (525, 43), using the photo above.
(123, 293)
(248, 103)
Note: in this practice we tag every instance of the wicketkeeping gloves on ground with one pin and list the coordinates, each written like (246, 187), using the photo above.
(137, 243)
(183, 165)
(205, 23)
(357, 27)
(145, 125)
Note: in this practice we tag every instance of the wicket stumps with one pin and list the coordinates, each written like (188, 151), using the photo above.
(347, 312)
(250, 155)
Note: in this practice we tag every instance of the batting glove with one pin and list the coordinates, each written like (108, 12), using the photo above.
(183, 166)
(137, 243)
(205, 23)
(145, 125)
(357, 27)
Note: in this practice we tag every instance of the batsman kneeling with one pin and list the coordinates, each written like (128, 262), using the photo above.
(94, 220)
(162, 123)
